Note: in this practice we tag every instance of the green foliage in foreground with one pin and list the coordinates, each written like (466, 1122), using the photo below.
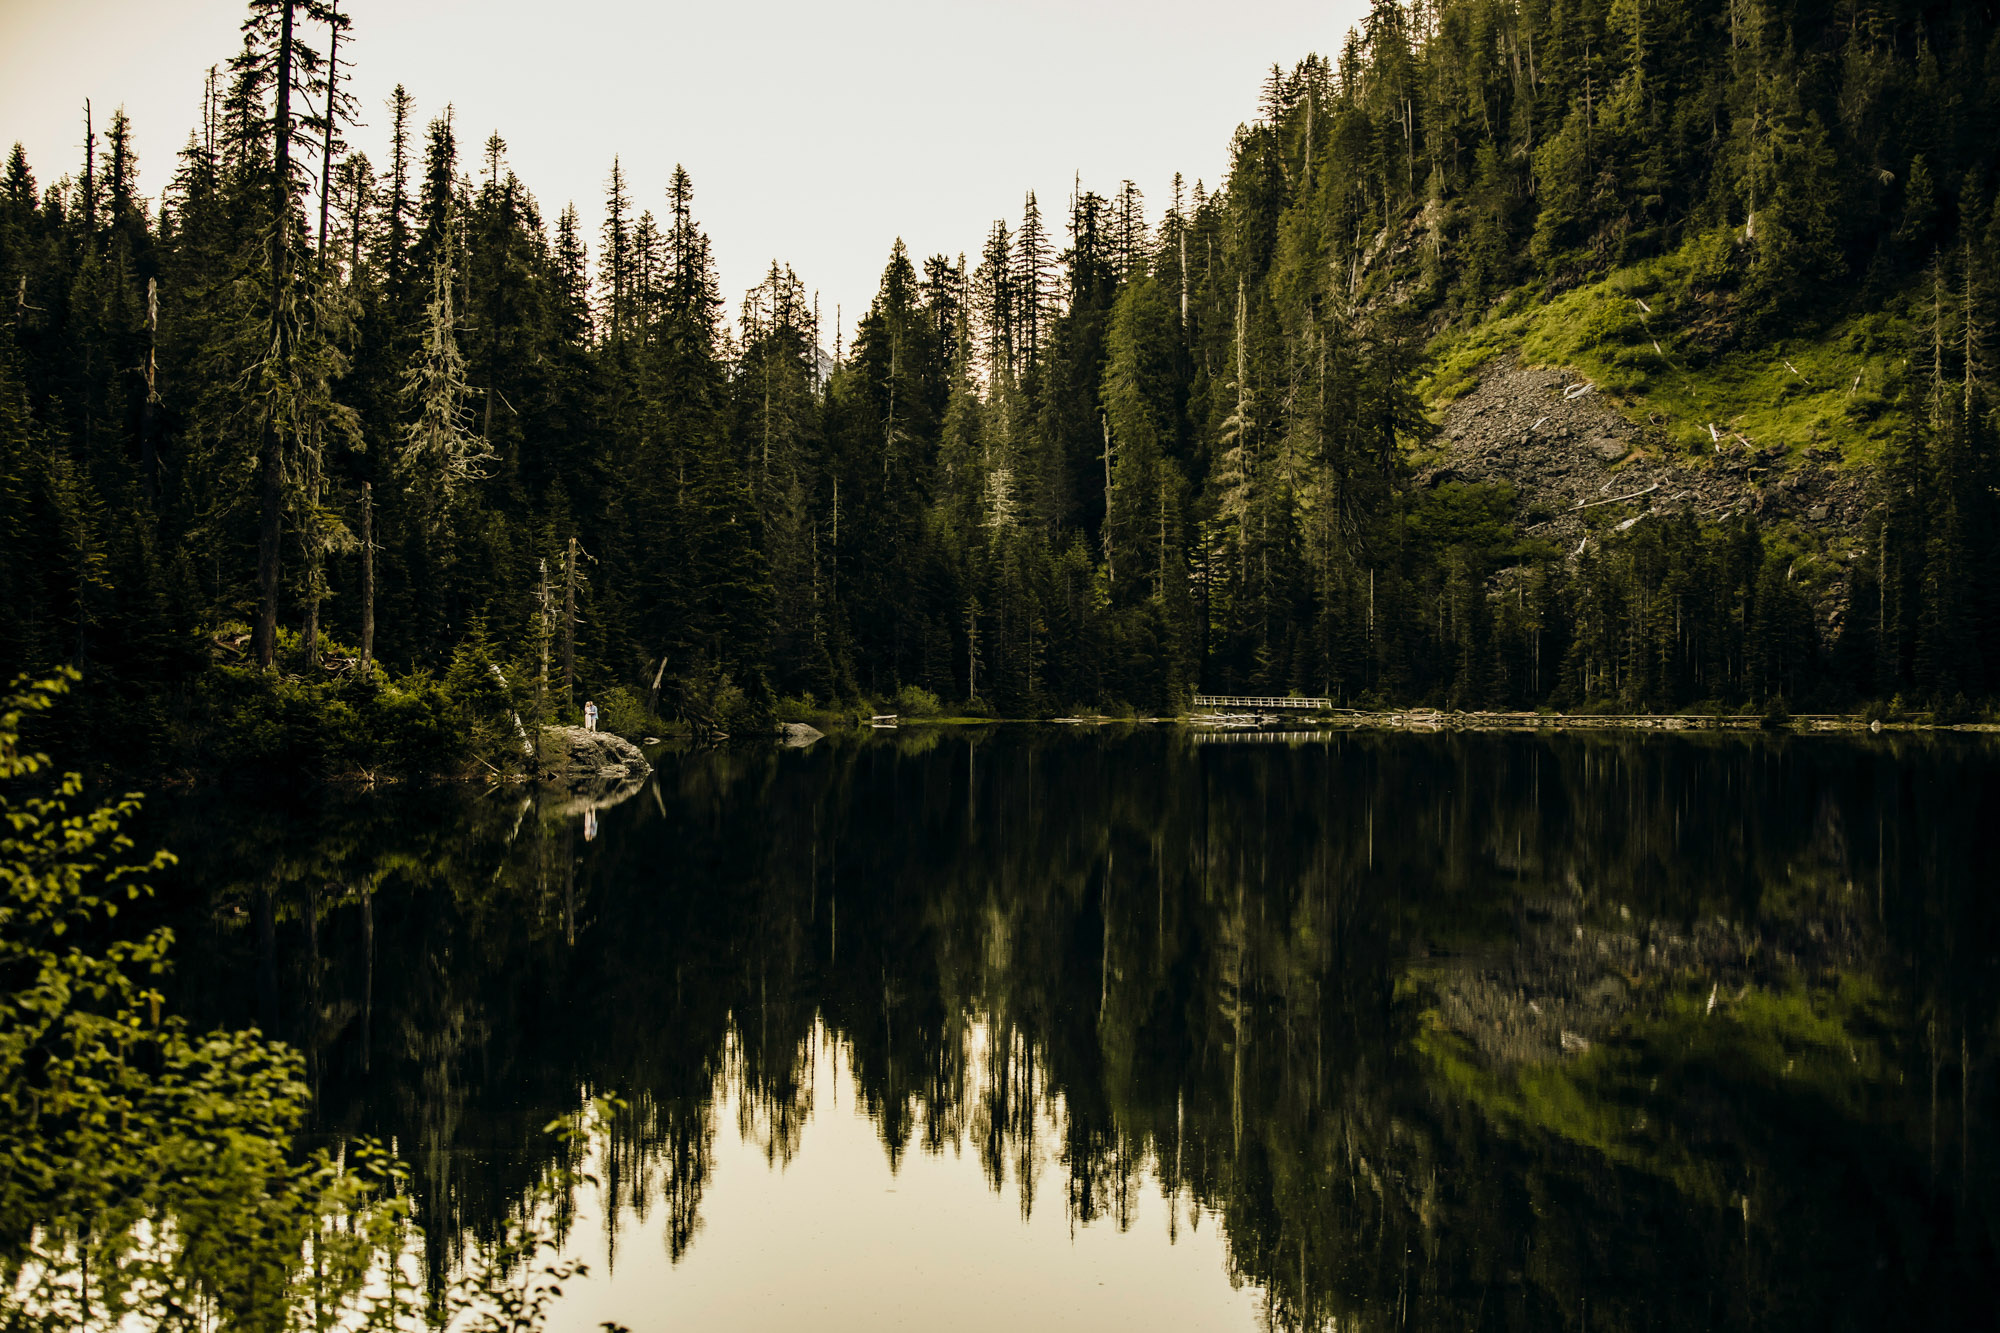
(148, 1176)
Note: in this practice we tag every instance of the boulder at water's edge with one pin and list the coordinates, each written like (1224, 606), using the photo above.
(574, 757)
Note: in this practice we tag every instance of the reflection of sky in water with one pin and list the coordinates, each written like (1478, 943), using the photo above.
(834, 1237)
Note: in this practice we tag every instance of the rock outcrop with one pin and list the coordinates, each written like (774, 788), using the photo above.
(798, 735)
(586, 760)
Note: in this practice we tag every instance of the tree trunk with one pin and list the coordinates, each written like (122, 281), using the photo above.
(972, 651)
(520, 728)
(270, 470)
(270, 526)
(149, 454)
(265, 913)
(315, 576)
(653, 698)
(354, 227)
(543, 631)
(332, 109)
(1110, 572)
(367, 973)
(367, 578)
(569, 626)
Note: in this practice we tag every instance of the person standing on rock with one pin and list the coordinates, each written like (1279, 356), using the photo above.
(589, 716)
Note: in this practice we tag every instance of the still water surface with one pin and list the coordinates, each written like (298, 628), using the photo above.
(1045, 1029)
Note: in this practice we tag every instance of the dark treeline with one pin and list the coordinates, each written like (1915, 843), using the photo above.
(309, 408)
(1112, 968)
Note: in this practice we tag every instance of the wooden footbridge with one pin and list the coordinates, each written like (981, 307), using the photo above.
(1244, 703)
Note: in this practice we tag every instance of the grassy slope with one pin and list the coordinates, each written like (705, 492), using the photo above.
(1825, 1044)
(1634, 334)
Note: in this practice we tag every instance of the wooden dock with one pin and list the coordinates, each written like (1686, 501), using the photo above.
(1245, 703)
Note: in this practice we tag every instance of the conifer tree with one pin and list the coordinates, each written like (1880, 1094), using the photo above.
(1034, 287)
(994, 282)
(617, 257)
(278, 62)
(440, 458)
(399, 206)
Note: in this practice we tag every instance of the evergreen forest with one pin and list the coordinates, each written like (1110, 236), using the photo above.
(313, 450)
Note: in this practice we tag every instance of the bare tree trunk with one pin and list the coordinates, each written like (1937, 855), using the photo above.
(270, 526)
(543, 631)
(367, 578)
(270, 470)
(367, 973)
(1110, 572)
(653, 698)
(315, 577)
(972, 651)
(149, 453)
(332, 110)
(569, 626)
(265, 914)
(354, 229)
(520, 728)
(314, 980)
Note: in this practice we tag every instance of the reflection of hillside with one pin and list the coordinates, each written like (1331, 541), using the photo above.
(1319, 990)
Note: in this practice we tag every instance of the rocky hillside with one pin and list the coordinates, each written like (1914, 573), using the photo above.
(1583, 465)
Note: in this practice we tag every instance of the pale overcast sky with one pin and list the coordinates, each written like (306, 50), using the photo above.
(815, 133)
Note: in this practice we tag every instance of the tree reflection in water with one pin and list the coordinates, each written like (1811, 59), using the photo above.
(1449, 1031)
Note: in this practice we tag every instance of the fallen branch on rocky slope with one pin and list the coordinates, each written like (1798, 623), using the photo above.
(1592, 504)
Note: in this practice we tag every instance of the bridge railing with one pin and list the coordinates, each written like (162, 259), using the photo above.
(1254, 702)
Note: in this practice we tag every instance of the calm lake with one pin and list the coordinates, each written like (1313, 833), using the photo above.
(1048, 1028)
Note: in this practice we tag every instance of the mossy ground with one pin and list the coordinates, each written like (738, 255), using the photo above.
(1641, 333)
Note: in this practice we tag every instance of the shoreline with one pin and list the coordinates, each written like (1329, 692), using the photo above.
(1430, 720)
(1274, 725)
(1433, 720)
